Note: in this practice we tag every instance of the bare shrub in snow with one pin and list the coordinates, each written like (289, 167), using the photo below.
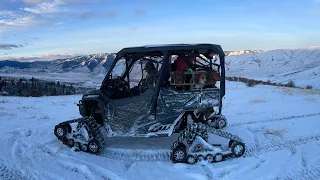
(4, 101)
(250, 83)
(241, 79)
(291, 84)
(309, 87)
(259, 82)
(27, 107)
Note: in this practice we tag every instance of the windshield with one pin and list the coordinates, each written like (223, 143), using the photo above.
(119, 68)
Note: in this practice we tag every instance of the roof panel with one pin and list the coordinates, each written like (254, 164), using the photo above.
(170, 47)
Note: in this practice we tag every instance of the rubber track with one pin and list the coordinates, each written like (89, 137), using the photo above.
(8, 173)
(251, 150)
(275, 120)
(93, 126)
(202, 127)
(275, 146)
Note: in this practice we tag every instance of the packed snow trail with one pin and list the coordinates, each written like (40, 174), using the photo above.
(275, 120)
(308, 172)
(252, 150)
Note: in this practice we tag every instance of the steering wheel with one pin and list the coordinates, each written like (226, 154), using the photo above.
(118, 88)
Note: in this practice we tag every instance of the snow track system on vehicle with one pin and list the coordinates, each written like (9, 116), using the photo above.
(86, 136)
(190, 147)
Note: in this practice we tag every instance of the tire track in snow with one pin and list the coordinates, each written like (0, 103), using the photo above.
(146, 155)
(310, 172)
(275, 120)
(9, 173)
(252, 150)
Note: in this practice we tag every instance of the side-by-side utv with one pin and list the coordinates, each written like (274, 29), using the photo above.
(156, 91)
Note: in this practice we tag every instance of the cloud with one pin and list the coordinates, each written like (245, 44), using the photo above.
(87, 1)
(86, 15)
(110, 13)
(139, 12)
(32, 1)
(22, 18)
(7, 14)
(67, 1)
(10, 19)
(10, 46)
(5, 53)
(20, 21)
(45, 57)
(132, 29)
(34, 38)
(58, 23)
(46, 7)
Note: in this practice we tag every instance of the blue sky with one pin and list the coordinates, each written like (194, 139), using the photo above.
(30, 28)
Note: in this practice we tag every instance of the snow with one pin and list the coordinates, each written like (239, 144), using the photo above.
(277, 147)
(282, 65)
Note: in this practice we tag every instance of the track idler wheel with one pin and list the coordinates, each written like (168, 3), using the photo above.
(191, 159)
(221, 122)
(209, 158)
(200, 158)
(94, 147)
(70, 143)
(218, 157)
(62, 130)
(84, 147)
(179, 154)
(237, 149)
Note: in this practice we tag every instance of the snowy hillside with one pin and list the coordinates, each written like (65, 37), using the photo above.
(283, 141)
(73, 64)
(299, 65)
(84, 63)
(237, 53)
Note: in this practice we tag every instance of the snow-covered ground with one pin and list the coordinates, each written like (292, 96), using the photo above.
(280, 126)
(84, 79)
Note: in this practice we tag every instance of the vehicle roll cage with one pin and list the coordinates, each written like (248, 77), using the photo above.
(133, 54)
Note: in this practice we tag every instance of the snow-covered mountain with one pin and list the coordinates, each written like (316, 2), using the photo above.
(240, 52)
(92, 63)
(88, 62)
(282, 65)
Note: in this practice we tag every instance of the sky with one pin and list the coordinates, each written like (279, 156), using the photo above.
(54, 28)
